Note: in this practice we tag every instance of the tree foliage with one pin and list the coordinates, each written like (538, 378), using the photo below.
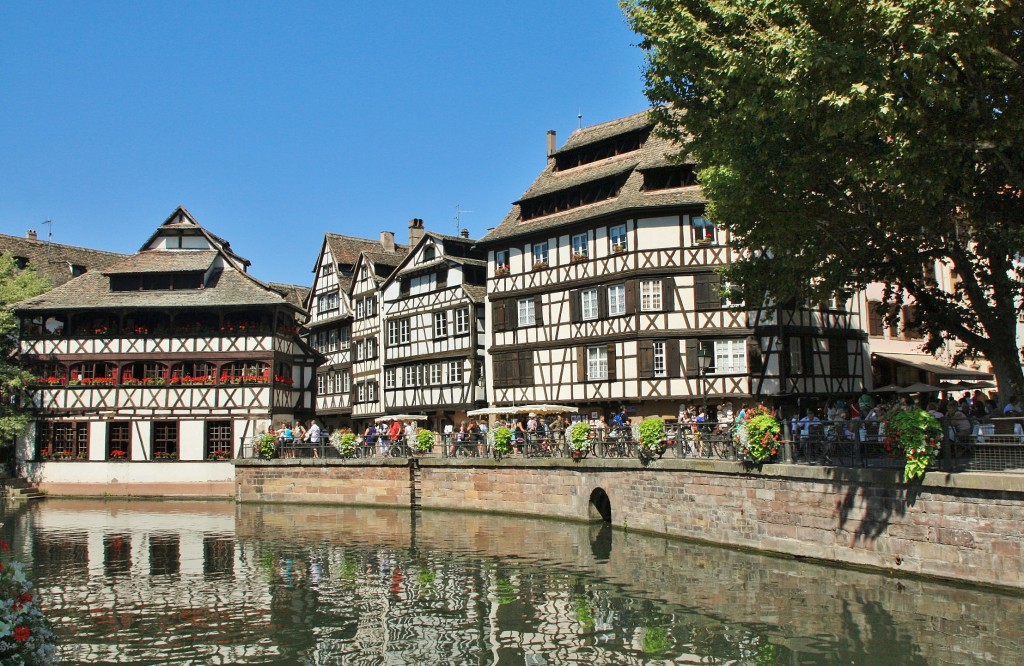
(855, 142)
(15, 285)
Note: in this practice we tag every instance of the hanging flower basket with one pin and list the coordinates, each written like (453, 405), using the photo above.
(653, 442)
(758, 436)
(915, 435)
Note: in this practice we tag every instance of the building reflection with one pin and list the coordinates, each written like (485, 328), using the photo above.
(166, 582)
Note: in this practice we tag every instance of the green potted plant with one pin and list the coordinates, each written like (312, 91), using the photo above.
(265, 446)
(345, 442)
(652, 438)
(916, 435)
(579, 440)
(503, 441)
(424, 441)
(758, 436)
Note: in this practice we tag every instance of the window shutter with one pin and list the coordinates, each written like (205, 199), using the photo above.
(715, 291)
(581, 364)
(875, 327)
(538, 311)
(575, 306)
(526, 368)
(602, 302)
(632, 295)
(498, 316)
(754, 363)
(672, 365)
(645, 358)
(668, 294)
(611, 362)
(691, 369)
(701, 292)
(807, 355)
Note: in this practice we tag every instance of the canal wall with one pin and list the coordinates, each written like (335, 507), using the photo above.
(965, 526)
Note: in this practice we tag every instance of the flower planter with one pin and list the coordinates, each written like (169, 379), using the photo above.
(577, 456)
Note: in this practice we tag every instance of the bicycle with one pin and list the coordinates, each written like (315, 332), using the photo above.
(618, 444)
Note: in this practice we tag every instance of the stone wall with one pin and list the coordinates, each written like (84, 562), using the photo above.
(965, 526)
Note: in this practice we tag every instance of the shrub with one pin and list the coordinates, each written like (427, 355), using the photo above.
(761, 432)
(25, 636)
(345, 442)
(503, 440)
(652, 435)
(425, 440)
(579, 436)
(916, 434)
(265, 446)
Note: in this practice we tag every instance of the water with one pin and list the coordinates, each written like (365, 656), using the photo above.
(149, 582)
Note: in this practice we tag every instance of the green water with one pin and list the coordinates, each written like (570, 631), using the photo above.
(216, 583)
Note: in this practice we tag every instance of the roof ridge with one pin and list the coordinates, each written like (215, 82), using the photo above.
(55, 244)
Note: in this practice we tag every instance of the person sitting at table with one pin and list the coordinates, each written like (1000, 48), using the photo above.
(1012, 408)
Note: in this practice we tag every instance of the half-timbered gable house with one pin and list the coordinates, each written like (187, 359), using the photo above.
(175, 353)
(603, 287)
(370, 272)
(329, 329)
(433, 330)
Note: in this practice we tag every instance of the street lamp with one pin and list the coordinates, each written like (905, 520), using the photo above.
(703, 363)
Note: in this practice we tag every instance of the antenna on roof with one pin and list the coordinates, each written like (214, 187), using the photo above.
(49, 238)
(579, 118)
(458, 217)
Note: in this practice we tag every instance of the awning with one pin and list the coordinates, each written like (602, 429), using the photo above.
(934, 366)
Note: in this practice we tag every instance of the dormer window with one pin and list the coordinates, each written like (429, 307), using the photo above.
(429, 254)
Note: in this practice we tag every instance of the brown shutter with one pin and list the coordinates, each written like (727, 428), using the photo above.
(611, 362)
(525, 368)
(498, 316)
(632, 295)
(754, 363)
(691, 369)
(672, 365)
(645, 357)
(575, 307)
(511, 314)
(701, 292)
(668, 294)
(538, 311)
(602, 302)
(581, 364)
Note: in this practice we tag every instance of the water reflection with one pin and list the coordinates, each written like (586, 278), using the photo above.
(214, 583)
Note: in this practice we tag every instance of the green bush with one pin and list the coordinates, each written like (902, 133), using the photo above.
(425, 441)
(265, 446)
(345, 442)
(579, 436)
(652, 435)
(916, 434)
(503, 440)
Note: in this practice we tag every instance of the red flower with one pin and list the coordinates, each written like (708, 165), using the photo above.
(5, 547)
(22, 633)
(24, 598)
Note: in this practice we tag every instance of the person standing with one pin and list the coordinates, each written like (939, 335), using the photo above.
(313, 437)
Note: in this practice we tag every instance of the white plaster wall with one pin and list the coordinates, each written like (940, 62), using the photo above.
(191, 439)
(142, 434)
(97, 440)
(656, 233)
(130, 472)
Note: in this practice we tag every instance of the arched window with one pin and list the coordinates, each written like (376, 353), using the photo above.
(145, 373)
(92, 373)
(191, 373)
(245, 372)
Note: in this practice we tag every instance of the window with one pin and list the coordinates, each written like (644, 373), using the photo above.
(616, 300)
(435, 374)
(344, 338)
(62, 440)
(429, 254)
(403, 332)
(838, 358)
(454, 372)
(392, 333)
(410, 376)
(218, 440)
(346, 381)
(440, 324)
(371, 391)
(359, 309)
(580, 247)
(327, 269)
(527, 312)
(597, 363)
(588, 304)
(371, 348)
(703, 230)
(389, 378)
(462, 321)
(332, 382)
(165, 440)
(360, 392)
(332, 339)
(360, 350)
(327, 302)
(321, 384)
(540, 254)
(617, 238)
(650, 295)
(730, 356)
(238, 372)
(501, 262)
(659, 359)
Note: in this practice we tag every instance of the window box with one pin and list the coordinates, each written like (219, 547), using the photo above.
(501, 270)
(579, 256)
(540, 265)
(618, 248)
(165, 455)
(117, 455)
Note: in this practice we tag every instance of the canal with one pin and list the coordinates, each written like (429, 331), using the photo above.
(169, 582)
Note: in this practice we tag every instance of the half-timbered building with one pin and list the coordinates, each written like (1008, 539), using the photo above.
(329, 329)
(603, 287)
(433, 337)
(173, 354)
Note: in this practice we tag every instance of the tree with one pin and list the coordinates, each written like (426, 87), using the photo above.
(15, 285)
(853, 142)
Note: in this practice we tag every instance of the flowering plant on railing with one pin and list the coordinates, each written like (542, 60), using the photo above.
(118, 454)
(345, 442)
(92, 381)
(758, 436)
(501, 270)
(287, 330)
(916, 434)
(579, 437)
(48, 381)
(540, 265)
(190, 380)
(219, 454)
(165, 455)
(25, 635)
(141, 330)
(282, 379)
(102, 329)
(652, 437)
(503, 440)
(579, 256)
(45, 454)
(618, 248)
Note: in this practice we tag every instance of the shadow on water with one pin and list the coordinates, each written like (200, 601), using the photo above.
(179, 582)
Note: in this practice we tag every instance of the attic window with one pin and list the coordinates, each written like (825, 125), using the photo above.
(20, 262)
(156, 281)
(599, 150)
(573, 197)
(77, 269)
(669, 177)
(429, 253)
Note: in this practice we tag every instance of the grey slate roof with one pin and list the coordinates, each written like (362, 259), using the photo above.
(654, 153)
(54, 260)
(164, 261)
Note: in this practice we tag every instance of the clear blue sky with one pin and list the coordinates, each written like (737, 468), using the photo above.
(276, 122)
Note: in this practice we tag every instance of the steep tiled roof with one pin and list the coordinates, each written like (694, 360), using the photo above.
(293, 293)
(54, 260)
(164, 261)
(92, 291)
(346, 249)
(476, 293)
(631, 196)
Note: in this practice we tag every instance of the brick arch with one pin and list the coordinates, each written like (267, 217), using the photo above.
(600, 507)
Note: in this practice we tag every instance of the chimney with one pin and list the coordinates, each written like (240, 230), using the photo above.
(551, 142)
(31, 235)
(464, 233)
(387, 240)
(415, 231)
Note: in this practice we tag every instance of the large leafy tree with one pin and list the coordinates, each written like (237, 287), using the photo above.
(858, 141)
(15, 285)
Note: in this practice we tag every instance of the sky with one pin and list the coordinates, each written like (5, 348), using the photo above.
(275, 122)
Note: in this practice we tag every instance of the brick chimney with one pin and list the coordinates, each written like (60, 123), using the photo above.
(31, 235)
(464, 233)
(415, 231)
(551, 143)
(387, 241)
